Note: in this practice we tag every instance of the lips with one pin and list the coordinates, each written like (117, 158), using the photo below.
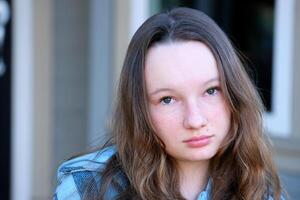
(198, 141)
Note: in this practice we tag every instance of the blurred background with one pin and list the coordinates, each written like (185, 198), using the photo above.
(60, 61)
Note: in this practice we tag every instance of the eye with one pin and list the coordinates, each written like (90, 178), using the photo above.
(166, 100)
(212, 91)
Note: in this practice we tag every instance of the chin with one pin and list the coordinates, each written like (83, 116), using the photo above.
(204, 155)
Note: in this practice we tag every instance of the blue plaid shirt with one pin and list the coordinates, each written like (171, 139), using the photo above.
(75, 174)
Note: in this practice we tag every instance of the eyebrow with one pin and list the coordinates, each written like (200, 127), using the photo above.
(168, 89)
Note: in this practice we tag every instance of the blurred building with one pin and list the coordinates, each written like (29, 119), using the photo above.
(66, 56)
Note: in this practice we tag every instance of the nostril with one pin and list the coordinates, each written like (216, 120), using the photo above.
(195, 122)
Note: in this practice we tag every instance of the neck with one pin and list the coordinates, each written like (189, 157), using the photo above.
(193, 178)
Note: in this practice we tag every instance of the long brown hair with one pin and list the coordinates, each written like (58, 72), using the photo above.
(141, 168)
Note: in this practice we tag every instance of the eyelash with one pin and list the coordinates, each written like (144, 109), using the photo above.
(164, 98)
(215, 89)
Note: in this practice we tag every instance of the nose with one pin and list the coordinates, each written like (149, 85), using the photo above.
(194, 117)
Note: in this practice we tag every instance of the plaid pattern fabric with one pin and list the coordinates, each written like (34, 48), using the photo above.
(75, 175)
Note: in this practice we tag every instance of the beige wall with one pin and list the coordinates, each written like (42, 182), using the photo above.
(42, 127)
(60, 59)
(121, 34)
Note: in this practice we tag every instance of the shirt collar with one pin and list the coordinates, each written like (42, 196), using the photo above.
(205, 194)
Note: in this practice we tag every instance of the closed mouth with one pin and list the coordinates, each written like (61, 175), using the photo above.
(198, 141)
(197, 138)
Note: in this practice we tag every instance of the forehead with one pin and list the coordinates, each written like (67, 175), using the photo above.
(179, 63)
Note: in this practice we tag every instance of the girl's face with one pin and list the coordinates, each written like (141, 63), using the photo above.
(187, 106)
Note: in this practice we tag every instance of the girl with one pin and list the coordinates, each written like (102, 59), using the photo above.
(187, 123)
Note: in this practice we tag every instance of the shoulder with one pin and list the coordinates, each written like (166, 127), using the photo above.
(74, 175)
(89, 162)
(271, 198)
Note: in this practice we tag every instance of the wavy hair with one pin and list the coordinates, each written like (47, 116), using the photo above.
(242, 168)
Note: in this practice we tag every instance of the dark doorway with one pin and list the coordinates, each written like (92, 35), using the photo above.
(5, 99)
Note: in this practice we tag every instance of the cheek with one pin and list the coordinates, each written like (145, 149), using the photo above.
(165, 123)
(221, 115)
